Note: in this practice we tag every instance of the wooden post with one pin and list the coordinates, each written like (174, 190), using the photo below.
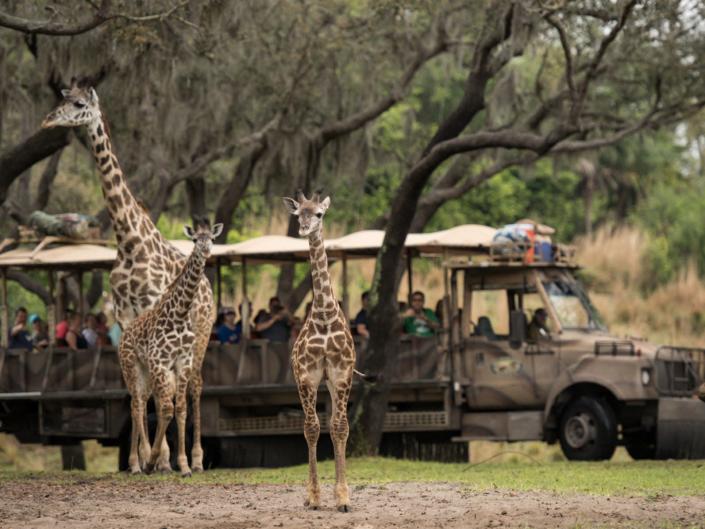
(219, 283)
(346, 297)
(245, 315)
(51, 309)
(467, 305)
(409, 276)
(5, 312)
(81, 301)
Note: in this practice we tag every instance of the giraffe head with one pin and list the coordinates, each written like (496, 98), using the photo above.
(203, 236)
(309, 212)
(79, 107)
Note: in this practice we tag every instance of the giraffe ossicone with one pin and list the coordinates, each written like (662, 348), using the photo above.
(156, 357)
(146, 262)
(324, 350)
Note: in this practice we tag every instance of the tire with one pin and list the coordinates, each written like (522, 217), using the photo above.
(641, 447)
(588, 430)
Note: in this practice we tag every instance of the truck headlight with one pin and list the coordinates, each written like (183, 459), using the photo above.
(646, 376)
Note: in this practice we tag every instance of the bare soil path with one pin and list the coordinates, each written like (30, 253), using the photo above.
(106, 503)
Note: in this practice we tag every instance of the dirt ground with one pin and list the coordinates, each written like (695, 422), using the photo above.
(143, 505)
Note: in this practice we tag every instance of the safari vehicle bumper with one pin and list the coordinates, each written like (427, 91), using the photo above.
(680, 429)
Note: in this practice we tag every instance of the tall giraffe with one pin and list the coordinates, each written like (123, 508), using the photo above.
(323, 350)
(156, 355)
(146, 262)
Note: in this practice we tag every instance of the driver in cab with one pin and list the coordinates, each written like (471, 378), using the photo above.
(537, 327)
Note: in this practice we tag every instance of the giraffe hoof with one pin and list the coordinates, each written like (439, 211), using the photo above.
(186, 474)
(197, 469)
(135, 472)
(165, 470)
(343, 508)
(149, 468)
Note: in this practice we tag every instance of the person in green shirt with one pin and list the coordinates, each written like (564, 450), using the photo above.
(418, 320)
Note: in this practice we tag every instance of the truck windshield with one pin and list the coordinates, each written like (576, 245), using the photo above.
(572, 305)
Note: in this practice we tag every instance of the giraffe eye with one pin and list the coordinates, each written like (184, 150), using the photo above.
(79, 104)
(319, 215)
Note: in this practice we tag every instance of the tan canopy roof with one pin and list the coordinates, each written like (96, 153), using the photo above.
(269, 248)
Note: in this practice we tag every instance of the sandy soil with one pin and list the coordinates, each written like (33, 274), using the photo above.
(107, 504)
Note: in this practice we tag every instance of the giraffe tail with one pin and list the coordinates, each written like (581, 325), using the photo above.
(362, 375)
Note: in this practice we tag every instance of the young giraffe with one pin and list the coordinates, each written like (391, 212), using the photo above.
(146, 263)
(156, 354)
(323, 349)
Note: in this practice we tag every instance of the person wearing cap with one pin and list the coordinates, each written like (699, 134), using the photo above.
(40, 337)
(229, 332)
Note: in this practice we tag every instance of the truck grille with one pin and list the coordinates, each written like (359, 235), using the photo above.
(679, 370)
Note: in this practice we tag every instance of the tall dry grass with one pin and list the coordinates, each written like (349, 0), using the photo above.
(617, 274)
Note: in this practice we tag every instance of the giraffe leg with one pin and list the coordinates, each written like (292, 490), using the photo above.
(308, 388)
(339, 383)
(164, 399)
(130, 372)
(196, 387)
(182, 379)
(137, 411)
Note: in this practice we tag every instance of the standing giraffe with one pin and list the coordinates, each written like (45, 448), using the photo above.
(156, 355)
(323, 350)
(146, 262)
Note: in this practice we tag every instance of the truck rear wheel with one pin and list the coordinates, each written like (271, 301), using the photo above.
(588, 430)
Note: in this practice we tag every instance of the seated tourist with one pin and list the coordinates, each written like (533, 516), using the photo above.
(89, 331)
(19, 335)
(62, 327)
(102, 329)
(418, 320)
(73, 338)
(274, 325)
(229, 331)
(40, 336)
(360, 322)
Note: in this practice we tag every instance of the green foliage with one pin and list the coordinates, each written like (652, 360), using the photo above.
(673, 216)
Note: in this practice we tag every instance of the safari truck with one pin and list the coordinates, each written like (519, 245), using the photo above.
(574, 382)
(482, 376)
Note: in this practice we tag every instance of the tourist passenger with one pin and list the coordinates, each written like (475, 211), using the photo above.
(418, 320)
(89, 331)
(40, 337)
(19, 335)
(274, 325)
(229, 331)
(360, 322)
(537, 327)
(62, 327)
(102, 329)
(74, 339)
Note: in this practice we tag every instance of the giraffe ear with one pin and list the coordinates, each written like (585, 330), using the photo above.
(292, 205)
(65, 92)
(188, 231)
(216, 230)
(325, 203)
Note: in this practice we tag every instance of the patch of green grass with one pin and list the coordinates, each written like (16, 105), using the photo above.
(645, 478)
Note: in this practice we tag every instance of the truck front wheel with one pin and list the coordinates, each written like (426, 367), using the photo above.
(588, 430)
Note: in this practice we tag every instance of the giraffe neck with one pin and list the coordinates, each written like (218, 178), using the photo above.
(323, 299)
(128, 218)
(184, 288)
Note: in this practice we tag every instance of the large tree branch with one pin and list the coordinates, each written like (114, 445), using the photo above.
(23, 156)
(355, 121)
(99, 17)
(43, 194)
(29, 283)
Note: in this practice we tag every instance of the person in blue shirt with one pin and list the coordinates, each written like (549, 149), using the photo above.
(19, 335)
(229, 331)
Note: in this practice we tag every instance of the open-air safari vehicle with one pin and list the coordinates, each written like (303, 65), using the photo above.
(481, 377)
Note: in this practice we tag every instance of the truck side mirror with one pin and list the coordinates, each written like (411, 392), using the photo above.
(517, 328)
